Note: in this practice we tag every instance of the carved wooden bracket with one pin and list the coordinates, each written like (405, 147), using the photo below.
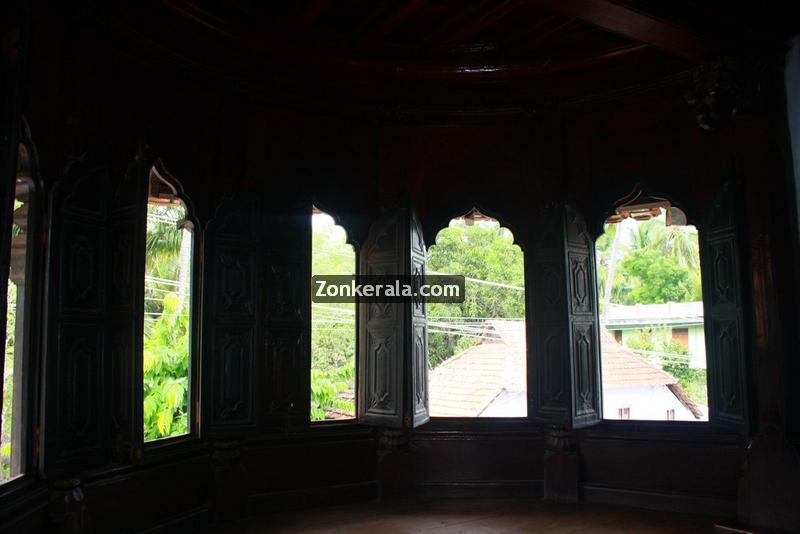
(394, 462)
(66, 507)
(723, 89)
(560, 465)
(229, 480)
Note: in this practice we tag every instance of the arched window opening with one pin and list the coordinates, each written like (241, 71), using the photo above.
(653, 352)
(333, 326)
(167, 311)
(18, 291)
(477, 350)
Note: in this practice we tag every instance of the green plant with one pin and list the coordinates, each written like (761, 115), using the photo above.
(333, 336)
(326, 385)
(166, 372)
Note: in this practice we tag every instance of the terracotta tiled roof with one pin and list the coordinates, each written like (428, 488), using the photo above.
(623, 368)
(466, 384)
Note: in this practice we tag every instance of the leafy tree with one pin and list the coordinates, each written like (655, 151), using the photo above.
(657, 278)
(653, 263)
(483, 252)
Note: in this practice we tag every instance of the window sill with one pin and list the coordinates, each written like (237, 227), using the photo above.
(695, 431)
(493, 425)
(334, 423)
(20, 497)
(157, 451)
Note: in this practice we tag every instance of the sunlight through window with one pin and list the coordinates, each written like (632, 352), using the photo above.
(477, 349)
(333, 326)
(167, 312)
(653, 351)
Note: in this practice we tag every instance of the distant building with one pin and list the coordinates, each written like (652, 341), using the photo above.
(679, 321)
(488, 380)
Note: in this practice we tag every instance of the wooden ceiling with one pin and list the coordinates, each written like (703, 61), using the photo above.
(369, 46)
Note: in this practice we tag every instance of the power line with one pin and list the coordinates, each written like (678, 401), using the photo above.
(479, 281)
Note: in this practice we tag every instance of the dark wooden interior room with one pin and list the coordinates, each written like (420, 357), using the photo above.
(612, 182)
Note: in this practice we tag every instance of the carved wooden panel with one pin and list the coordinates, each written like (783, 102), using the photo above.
(418, 371)
(285, 355)
(546, 308)
(585, 385)
(233, 369)
(580, 283)
(125, 340)
(128, 237)
(81, 425)
(382, 375)
(584, 342)
(231, 388)
(286, 271)
(286, 289)
(551, 388)
(82, 271)
(235, 267)
(393, 337)
(79, 354)
(564, 367)
(724, 318)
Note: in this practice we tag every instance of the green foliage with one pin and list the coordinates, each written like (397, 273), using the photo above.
(694, 381)
(484, 252)
(654, 263)
(656, 278)
(333, 334)
(166, 372)
(326, 385)
(8, 385)
(167, 331)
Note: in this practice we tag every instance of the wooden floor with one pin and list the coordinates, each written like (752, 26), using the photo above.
(466, 516)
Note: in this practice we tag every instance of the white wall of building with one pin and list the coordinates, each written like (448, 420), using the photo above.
(697, 347)
(648, 403)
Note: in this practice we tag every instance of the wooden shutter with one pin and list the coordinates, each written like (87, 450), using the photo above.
(548, 363)
(565, 359)
(417, 366)
(287, 298)
(584, 337)
(393, 386)
(232, 373)
(723, 304)
(128, 222)
(78, 429)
